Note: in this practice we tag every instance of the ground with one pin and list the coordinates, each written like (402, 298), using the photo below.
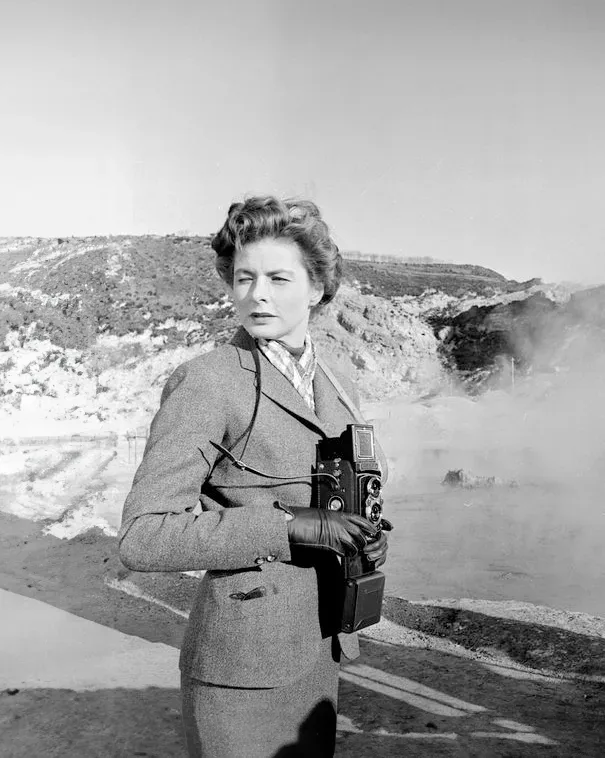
(435, 678)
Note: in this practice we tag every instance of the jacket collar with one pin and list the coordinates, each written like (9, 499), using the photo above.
(330, 414)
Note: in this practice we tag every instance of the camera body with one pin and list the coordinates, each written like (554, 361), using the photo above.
(352, 483)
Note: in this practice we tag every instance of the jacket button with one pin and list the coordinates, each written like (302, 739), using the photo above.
(258, 561)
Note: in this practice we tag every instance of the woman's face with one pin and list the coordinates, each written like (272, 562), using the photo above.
(272, 290)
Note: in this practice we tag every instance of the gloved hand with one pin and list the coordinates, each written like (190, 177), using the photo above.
(376, 549)
(343, 533)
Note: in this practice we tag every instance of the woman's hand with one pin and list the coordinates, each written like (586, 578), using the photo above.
(343, 533)
(376, 550)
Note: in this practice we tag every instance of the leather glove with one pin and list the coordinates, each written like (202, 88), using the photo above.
(376, 549)
(343, 533)
(385, 525)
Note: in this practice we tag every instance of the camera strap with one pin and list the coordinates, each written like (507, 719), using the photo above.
(238, 462)
(354, 410)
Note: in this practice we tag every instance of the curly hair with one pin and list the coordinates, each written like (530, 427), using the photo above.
(300, 221)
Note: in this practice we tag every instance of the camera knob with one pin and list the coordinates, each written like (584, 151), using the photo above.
(336, 503)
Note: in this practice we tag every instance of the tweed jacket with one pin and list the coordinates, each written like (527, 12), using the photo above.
(261, 610)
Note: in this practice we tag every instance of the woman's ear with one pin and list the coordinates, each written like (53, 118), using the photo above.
(317, 294)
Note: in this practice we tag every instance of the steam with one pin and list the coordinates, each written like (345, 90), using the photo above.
(544, 425)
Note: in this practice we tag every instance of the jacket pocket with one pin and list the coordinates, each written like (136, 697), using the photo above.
(266, 640)
(238, 595)
(250, 603)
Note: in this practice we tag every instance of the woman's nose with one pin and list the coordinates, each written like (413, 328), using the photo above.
(259, 291)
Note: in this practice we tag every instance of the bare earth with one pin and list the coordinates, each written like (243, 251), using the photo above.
(436, 678)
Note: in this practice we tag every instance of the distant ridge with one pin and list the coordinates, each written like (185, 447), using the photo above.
(388, 276)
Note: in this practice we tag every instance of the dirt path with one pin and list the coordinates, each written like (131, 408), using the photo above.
(493, 680)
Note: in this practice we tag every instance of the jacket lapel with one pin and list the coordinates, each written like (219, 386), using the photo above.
(276, 387)
(329, 407)
(331, 413)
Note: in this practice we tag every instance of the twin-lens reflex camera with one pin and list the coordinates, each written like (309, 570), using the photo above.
(352, 484)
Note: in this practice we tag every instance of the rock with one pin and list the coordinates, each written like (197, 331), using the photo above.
(386, 349)
(520, 333)
(466, 480)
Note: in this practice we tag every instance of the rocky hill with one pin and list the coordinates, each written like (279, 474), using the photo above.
(71, 290)
(92, 327)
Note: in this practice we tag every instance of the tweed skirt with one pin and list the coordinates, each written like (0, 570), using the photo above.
(297, 720)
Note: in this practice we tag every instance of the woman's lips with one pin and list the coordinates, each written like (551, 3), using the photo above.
(261, 316)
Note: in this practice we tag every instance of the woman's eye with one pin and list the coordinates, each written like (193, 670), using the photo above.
(243, 279)
(280, 279)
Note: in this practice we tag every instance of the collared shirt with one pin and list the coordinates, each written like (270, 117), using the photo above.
(299, 372)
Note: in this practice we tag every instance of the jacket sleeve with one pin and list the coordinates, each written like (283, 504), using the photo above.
(160, 531)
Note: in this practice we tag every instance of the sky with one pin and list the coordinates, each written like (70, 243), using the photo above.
(465, 130)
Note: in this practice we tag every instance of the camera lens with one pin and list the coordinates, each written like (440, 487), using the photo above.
(373, 510)
(373, 486)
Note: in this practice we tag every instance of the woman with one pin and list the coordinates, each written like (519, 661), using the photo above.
(224, 486)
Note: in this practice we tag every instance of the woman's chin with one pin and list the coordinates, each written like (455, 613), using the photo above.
(266, 331)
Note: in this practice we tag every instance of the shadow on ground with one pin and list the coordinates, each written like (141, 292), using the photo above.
(394, 701)
(415, 702)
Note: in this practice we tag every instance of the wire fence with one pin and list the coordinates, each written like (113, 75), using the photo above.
(137, 439)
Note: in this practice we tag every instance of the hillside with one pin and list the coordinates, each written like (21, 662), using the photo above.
(71, 290)
(91, 328)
